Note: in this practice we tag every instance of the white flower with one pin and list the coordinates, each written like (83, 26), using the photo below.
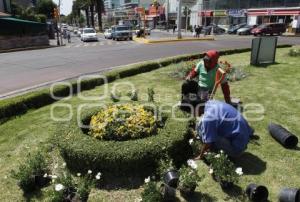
(78, 174)
(221, 151)
(192, 164)
(53, 176)
(147, 180)
(59, 187)
(191, 141)
(98, 176)
(217, 156)
(64, 165)
(45, 175)
(89, 172)
(56, 166)
(5, 177)
(239, 171)
(138, 200)
(211, 171)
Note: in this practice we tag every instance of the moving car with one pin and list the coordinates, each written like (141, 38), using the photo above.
(121, 32)
(89, 34)
(107, 34)
(246, 30)
(271, 28)
(233, 30)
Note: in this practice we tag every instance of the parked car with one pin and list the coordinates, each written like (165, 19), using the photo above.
(79, 32)
(233, 30)
(246, 30)
(208, 29)
(121, 32)
(139, 29)
(107, 34)
(271, 28)
(89, 34)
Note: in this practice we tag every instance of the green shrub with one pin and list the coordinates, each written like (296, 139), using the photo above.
(133, 95)
(294, 52)
(35, 167)
(151, 192)
(222, 168)
(122, 158)
(189, 177)
(150, 92)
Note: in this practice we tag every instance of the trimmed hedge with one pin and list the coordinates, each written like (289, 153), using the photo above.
(137, 158)
(21, 104)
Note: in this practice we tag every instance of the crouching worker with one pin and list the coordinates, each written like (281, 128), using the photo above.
(222, 127)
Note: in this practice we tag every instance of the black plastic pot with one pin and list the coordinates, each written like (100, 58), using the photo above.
(226, 185)
(257, 193)
(289, 195)
(171, 178)
(41, 181)
(283, 136)
(187, 191)
(168, 193)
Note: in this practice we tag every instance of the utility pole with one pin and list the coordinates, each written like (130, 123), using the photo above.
(179, 20)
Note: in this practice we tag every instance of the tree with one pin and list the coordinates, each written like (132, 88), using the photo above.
(45, 7)
(100, 10)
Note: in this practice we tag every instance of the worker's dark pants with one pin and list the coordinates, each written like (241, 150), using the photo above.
(193, 95)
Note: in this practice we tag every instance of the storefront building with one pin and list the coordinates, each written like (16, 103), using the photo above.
(289, 16)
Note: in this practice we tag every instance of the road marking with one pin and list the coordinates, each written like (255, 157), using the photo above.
(85, 45)
(94, 44)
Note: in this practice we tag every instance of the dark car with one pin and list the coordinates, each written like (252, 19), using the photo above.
(208, 29)
(271, 29)
(246, 30)
(120, 32)
(235, 28)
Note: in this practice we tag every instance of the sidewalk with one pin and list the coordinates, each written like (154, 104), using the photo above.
(161, 36)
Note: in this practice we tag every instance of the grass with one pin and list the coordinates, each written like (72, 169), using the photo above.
(276, 88)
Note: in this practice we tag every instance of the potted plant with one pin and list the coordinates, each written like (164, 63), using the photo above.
(168, 173)
(151, 192)
(189, 178)
(222, 169)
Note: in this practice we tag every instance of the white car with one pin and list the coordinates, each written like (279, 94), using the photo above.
(89, 34)
(107, 34)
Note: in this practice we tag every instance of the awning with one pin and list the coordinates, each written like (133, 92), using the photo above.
(206, 13)
(274, 11)
(220, 13)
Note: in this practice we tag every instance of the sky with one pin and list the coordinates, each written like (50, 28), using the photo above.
(66, 6)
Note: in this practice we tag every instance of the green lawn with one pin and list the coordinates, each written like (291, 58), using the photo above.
(276, 88)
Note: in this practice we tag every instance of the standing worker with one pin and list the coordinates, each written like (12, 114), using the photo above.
(206, 71)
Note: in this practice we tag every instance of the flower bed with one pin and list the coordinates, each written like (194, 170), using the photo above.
(123, 158)
(123, 122)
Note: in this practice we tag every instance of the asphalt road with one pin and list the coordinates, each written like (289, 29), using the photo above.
(26, 70)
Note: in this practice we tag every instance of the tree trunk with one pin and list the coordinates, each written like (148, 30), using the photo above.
(87, 17)
(99, 11)
(92, 16)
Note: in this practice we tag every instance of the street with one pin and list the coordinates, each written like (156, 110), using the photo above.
(26, 70)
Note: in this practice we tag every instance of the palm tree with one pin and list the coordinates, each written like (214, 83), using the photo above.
(99, 10)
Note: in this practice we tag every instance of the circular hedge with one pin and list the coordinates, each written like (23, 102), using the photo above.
(138, 157)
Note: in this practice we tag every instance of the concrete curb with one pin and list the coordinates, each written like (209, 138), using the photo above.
(28, 48)
(166, 40)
